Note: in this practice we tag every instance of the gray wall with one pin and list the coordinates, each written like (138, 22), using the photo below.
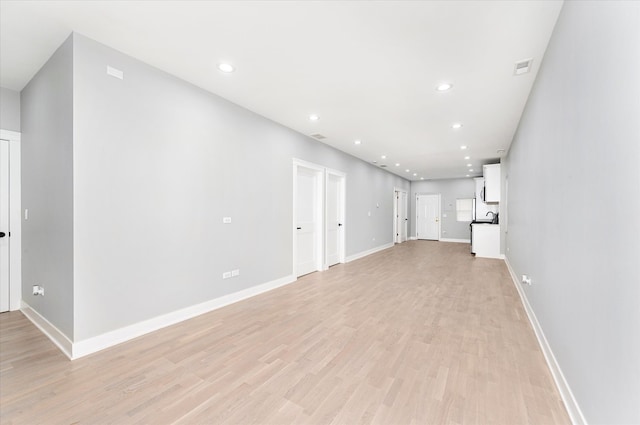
(47, 189)
(577, 151)
(9, 109)
(450, 190)
(158, 163)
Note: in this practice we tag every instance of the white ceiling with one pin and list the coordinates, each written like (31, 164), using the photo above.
(368, 69)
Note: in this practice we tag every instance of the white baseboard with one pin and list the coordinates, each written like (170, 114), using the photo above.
(455, 240)
(569, 400)
(109, 339)
(413, 238)
(368, 252)
(75, 350)
(54, 334)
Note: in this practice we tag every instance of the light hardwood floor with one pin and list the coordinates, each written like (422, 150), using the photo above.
(422, 333)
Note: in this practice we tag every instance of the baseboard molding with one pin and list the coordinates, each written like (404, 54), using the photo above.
(118, 336)
(577, 418)
(362, 254)
(455, 240)
(54, 334)
(413, 238)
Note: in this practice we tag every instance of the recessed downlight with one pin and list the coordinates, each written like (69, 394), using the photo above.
(468, 175)
(471, 170)
(456, 125)
(384, 157)
(415, 174)
(444, 86)
(357, 142)
(397, 164)
(463, 147)
(467, 157)
(469, 165)
(407, 170)
(421, 178)
(313, 117)
(375, 162)
(226, 68)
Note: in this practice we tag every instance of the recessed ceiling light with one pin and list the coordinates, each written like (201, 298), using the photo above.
(444, 86)
(469, 165)
(397, 164)
(415, 174)
(471, 170)
(468, 175)
(463, 147)
(467, 157)
(407, 170)
(421, 178)
(313, 117)
(384, 157)
(357, 142)
(226, 68)
(500, 151)
(456, 125)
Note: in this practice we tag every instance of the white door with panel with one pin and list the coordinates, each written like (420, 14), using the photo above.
(308, 220)
(428, 217)
(401, 216)
(4, 225)
(334, 219)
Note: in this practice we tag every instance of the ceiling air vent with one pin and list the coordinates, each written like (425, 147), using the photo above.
(383, 166)
(318, 136)
(522, 67)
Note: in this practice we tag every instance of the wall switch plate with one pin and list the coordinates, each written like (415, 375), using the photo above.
(226, 220)
(235, 272)
(226, 275)
(26, 213)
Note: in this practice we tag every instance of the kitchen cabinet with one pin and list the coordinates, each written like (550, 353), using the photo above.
(485, 240)
(491, 174)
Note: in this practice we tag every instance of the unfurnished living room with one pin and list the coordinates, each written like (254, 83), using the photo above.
(320, 212)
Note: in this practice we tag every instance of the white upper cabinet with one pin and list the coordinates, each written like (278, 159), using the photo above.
(491, 175)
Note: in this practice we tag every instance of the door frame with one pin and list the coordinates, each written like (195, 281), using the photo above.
(342, 214)
(439, 213)
(320, 208)
(397, 237)
(15, 219)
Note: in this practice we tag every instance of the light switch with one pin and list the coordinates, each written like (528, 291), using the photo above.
(226, 220)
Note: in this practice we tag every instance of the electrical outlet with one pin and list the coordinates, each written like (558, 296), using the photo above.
(226, 275)
(38, 290)
(226, 220)
(526, 280)
(235, 272)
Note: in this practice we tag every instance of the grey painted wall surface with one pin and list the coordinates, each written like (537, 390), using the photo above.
(47, 189)
(9, 109)
(158, 163)
(577, 150)
(450, 189)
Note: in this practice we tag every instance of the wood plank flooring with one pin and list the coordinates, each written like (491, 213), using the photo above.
(421, 333)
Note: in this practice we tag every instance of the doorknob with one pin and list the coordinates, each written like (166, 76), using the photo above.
(2, 234)
(339, 224)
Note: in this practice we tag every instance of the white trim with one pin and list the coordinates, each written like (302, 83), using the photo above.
(413, 238)
(368, 252)
(577, 418)
(455, 240)
(118, 336)
(15, 219)
(54, 334)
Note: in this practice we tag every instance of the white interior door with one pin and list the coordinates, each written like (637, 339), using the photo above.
(307, 221)
(4, 225)
(428, 217)
(404, 213)
(334, 219)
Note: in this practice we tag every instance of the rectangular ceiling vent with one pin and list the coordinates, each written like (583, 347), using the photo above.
(522, 67)
(383, 166)
(318, 136)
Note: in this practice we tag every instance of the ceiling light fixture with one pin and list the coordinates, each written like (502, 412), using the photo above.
(415, 174)
(471, 170)
(357, 142)
(384, 157)
(469, 165)
(407, 170)
(467, 157)
(375, 162)
(421, 178)
(313, 117)
(226, 68)
(456, 125)
(468, 175)
(463, 147)
(444, 86)
(397, 164)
